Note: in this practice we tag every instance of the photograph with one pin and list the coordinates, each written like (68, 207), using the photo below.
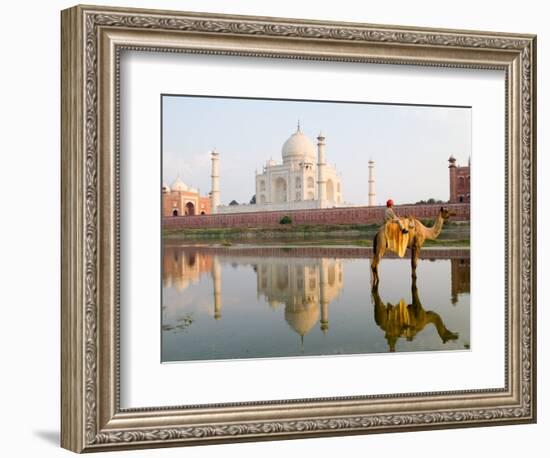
(301, 228)
(268, 230)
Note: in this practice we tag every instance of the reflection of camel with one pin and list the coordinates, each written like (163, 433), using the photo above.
(406, 320)
(418, 234)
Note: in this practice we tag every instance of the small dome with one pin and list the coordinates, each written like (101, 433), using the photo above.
(165, 188)
(273, 303)
(298, 147)
(179, 185)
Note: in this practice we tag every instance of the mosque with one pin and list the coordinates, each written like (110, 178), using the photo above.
(180, 199)
(302, 176)
(303, 180)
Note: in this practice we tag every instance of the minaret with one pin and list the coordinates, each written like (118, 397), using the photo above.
(323, 295)
(217, 280)
(452, 179)
(321, 163)
(215, 195)
(372, 185)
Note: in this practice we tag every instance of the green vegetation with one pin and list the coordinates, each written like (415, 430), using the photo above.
(182, 323)
(448, 242)
(431, 200)
(363, 242)
(453, 235)
(283, 230)
(286, 220)
(292, 230)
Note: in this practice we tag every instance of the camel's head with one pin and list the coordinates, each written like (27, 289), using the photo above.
(446, 213)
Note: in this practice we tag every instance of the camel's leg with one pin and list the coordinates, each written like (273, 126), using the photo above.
(415, 251)
(375, 261)
(415, 297)
(378, 248)
(444, 334)
(374, 269)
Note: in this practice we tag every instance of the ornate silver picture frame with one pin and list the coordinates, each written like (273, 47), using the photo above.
(93, 39)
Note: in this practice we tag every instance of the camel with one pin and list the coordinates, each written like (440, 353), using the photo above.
(407, 320)
(418, 234)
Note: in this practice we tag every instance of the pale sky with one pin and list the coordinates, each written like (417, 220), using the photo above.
(409, 144)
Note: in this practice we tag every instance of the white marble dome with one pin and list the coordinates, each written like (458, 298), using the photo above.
(298, 147)
(179, 185)
(165, 188)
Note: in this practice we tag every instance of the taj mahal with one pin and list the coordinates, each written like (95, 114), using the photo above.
(303, 180)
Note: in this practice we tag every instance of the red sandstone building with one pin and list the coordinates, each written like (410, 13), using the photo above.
(182, 200)
(459, 180)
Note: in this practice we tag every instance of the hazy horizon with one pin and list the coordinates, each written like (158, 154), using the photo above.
(409, 144)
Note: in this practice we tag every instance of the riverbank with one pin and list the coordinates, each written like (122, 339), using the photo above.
(453, 235)
(238, 251)
(457, 231)
(450, 243)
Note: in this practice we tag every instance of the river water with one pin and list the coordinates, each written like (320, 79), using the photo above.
(261, 302)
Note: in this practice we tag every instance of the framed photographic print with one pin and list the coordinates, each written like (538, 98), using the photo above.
(279, 228)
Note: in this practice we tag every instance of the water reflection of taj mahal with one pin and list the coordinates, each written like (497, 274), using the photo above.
(304, 286)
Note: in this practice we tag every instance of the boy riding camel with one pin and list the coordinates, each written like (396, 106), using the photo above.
(390, 216)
